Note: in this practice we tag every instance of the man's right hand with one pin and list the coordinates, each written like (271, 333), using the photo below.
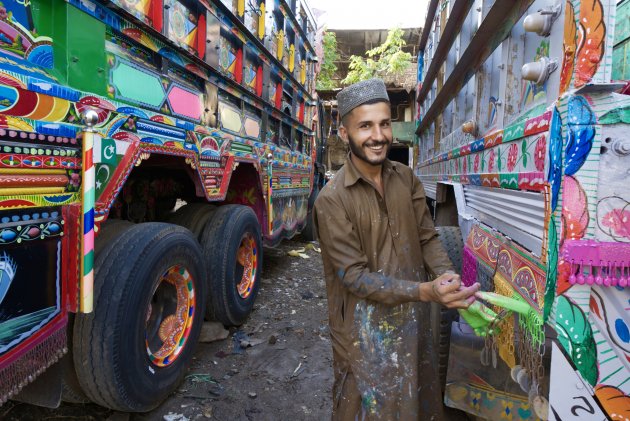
(448, 291)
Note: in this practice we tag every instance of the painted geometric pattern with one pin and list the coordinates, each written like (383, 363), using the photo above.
(154, 44)
(523, 271)
(512, 158)
(129, 125)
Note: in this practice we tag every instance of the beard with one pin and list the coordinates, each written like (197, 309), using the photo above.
(359, 151)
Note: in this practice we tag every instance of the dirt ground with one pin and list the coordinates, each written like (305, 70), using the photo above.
(276, 366)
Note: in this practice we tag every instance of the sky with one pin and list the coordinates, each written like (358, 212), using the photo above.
(370, 14)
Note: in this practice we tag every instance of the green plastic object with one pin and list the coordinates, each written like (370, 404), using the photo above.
(479, 317)
(507, 303)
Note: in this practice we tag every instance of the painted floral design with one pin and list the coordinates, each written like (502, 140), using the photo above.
(476, 164)
(539, 153)
(512, 157)
(491, 161)
(618, 220)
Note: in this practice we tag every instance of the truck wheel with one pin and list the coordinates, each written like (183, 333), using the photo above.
(132, 351)
(70, 388)
(308, 232)
(441, 317)
(193, 216)
(109, 230)
(232, 249)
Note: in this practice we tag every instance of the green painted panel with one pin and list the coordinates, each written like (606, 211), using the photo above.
(622, 23)
(42, 12)
(138, 86)
(621, 61)
(404, 131)
(86, 52)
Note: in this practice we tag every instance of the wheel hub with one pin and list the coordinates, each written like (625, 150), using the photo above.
(170, 316)
(247, 260)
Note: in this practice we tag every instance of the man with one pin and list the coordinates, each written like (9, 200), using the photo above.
(378, 243)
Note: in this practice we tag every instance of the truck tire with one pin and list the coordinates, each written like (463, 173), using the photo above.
(109, 230)
(193, 216)
(442, 317)
(232, 249)
(308, 232)
(133, 350)
(70, 388)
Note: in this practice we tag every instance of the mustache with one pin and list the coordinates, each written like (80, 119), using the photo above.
(377, 143)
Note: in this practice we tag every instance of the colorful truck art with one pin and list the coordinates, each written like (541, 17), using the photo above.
(137, 131)
(543, 202)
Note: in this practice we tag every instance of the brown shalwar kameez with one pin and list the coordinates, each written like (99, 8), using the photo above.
(376, 250)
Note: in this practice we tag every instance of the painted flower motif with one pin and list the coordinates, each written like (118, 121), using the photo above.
(618, 220)
(464, 165)
(512, 155)
(539, 154)
(476, 164)
(456, 166)
(491, 161)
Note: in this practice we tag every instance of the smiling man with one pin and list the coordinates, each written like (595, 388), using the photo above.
(378, 245)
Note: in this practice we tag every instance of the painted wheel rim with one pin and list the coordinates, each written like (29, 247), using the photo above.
(170, 316)
(247, 262)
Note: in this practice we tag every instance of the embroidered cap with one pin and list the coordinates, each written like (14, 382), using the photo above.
(360, 93)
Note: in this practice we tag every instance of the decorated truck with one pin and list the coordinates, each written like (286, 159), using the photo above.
(523, 149)
(148, 150)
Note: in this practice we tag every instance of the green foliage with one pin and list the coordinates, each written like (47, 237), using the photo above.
(325, 79)
(386, 59)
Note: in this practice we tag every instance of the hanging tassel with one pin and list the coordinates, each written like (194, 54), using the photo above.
(23, 370)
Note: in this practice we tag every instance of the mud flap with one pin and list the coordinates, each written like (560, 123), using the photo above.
(45, 390)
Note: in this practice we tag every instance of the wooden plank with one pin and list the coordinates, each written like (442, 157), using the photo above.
(449, 31)
(493, 30)
(428, 24)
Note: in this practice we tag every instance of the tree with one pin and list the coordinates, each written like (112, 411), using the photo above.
(386, 59)
(325, 79)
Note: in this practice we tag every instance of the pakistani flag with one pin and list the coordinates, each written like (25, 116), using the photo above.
(106, 153)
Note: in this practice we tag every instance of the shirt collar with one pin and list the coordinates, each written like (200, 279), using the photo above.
(353, 175)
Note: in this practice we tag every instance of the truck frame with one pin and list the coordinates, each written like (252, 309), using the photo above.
(149, 150)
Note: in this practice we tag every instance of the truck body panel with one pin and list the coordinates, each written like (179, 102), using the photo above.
(526, 126)
(191, 103)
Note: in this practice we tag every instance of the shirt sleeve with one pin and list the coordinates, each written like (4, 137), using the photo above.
(341, 248)
(436, 261)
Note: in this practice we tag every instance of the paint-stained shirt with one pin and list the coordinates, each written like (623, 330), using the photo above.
(376, 250)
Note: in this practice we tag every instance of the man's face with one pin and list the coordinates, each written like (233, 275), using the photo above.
(368, 131)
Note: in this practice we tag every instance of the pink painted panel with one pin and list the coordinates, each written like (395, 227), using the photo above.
(185, 103)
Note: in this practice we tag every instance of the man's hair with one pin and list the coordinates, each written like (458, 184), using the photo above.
(368, 102)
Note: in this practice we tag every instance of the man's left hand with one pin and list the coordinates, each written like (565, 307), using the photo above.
(448, 291)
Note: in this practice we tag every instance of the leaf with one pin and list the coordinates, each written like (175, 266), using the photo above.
(499, 159)
(555, 158)
(576, 336)
(581, 132)
(524, 152)
(552, 268)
